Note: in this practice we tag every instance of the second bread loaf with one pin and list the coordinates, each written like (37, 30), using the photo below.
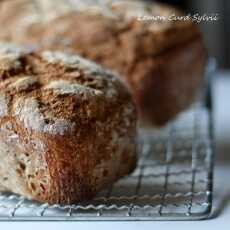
(162, 61)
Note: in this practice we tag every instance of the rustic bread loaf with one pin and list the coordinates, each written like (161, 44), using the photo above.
(67, 126)
(162, 61)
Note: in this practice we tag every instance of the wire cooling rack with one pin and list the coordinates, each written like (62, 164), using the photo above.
(173, 180)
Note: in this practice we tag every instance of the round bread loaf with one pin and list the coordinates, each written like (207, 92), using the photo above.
(67, 126)
(161, 60)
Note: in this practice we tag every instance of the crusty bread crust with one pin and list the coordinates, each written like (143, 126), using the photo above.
(178, 79)
(162, 61)
(67, 126)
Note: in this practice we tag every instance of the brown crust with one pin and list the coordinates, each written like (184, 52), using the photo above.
(78, 136)
(171, 81)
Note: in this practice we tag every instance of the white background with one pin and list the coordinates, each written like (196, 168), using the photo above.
(221, 210)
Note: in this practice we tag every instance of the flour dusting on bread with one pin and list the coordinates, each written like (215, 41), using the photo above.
(27, 110)
(23, 83)
(4, 100)
(71, 61)
(68, 87)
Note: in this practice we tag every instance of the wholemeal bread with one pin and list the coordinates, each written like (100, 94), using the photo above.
(67, 126)
(162, 61)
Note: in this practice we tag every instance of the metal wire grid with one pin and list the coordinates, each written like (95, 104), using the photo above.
(173, 180)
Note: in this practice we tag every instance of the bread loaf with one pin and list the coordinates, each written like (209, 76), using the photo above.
(67, 126)
(162, 61)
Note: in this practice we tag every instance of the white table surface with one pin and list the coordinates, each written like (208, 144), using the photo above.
(221, 209)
